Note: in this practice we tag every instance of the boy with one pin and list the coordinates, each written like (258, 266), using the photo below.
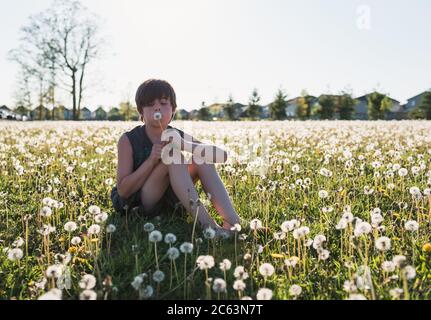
(146, 182)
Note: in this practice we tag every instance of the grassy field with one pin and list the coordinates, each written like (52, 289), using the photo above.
(331, 210)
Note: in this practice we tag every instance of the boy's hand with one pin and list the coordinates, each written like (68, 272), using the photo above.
(156, 152)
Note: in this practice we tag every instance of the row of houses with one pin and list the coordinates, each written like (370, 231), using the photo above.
(57, 113)
(398, 111)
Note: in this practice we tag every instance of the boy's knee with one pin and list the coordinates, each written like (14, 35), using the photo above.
(161, 169)
(176, 159)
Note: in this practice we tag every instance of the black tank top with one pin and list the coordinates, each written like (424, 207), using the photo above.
(142, 145)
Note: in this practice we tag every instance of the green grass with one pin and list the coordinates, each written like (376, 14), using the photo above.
(273, 198)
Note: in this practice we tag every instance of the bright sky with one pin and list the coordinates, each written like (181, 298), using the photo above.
(209, 49)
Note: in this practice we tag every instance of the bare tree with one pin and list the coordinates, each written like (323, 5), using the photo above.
(62, 41)
(22, 94)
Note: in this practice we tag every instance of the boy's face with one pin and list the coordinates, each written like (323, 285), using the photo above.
(163, 106)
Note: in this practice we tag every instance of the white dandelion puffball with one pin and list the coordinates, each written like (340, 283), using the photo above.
(402, 172)
(295, 290)
(146, 292)
(170, 238)
(94, 210)
(396, 293)
(18, 242)
(158, 276)
(361, 228)
(155, 236)
(173, 253)
(411, 225)
(88, 295)
(388, 266)
(255, 224)
(348, 216)
(94, 229)
(291, 262)
(264, 294)
(219, 285)
(75, 241)
(88, 281)
(148, 227)
(240, 273)
(356, 296)
(410, 272)
(110, 228)
(157, 116)
(323, 194)
(289, 225)
(349, 286)
(342, 224)
(414, 191)
(266, 270)
(301, 232)
(236, 227)
(15, 254)
(383, 243)
(70, 226)
(53, 294)
(205, 262)
(136, 283)
(399, 260)
(225, 265)
(209, 233)
(186, 247)
(323, 254)
(54, 271)
(318, 241)
(46, 212)
(101, 217)
(239, 285)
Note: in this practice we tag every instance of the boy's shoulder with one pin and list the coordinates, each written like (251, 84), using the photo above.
(131, 134)
(181, 132)
(132, 131)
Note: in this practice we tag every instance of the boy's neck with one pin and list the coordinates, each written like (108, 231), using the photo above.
(154, 133)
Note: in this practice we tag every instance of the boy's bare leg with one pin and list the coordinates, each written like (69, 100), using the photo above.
(213, 185)
(183, 186)
(155, 186)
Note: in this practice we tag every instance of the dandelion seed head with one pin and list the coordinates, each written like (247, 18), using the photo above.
(158, 276)
(264, 294)
(88, 295)
(148, 227)
(186, 247)
(170, 238)
(266, 270)
(88, 281)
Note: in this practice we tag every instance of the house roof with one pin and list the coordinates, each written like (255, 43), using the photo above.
(296, 98)
(366, 95)
(100, 109)
(4, 108)
(418, 95)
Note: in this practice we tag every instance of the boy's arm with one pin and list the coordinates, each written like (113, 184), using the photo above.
(129, 181)
(200, 149)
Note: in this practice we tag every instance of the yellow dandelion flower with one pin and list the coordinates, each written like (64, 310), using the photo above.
(72, 250)
(427, 247)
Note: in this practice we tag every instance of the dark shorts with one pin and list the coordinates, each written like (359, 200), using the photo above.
(169, 203)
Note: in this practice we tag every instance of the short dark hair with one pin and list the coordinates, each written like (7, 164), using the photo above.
(153, 89)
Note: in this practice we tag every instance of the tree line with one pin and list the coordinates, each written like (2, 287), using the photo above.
(56, 49)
